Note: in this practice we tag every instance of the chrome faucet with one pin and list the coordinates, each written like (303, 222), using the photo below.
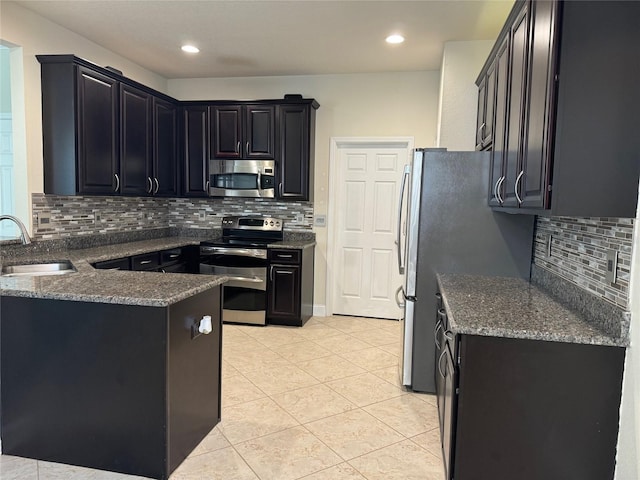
(24, 235)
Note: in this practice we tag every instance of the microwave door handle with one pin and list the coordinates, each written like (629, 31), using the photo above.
(405, 176)
(259, 183)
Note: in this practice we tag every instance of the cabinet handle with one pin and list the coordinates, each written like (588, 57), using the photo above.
(238, 147)
(435, 332)
(144, 262)
(271, 273)
(117, 182)
(175, 255)
(163, 270)
(500, 199)
(247, 148)
(280, 189)
(516, 186)
(281, 255)
(286, 272)
(440, 363)
(206, 187)
(149, 185)
(155, 190)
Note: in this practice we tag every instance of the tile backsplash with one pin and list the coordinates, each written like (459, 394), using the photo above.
(56, 216)
(579, 253)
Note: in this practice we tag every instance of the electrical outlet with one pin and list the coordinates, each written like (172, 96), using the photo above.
(320, 221)
(44, 219)
(612, 266)
(299, 218)
(96, 217)
(202, 215)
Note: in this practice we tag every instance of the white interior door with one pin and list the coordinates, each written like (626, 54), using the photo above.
(365, 271)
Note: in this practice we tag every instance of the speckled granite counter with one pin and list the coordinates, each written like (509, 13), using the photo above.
(293, 244)
(103, 286)
(514, 308)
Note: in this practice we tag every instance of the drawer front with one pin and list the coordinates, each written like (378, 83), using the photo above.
(171, 256)
(284, 256)
(146, 261)
(115, 264)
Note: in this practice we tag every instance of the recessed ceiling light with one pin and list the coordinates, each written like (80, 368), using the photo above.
(395, 38)
(190, 49)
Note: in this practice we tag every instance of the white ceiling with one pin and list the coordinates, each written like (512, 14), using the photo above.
(270, 37)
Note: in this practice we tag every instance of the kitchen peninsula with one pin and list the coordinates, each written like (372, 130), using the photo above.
(115, 370)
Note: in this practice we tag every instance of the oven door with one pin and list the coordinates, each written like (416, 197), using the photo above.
(242, 178)
(245, 293)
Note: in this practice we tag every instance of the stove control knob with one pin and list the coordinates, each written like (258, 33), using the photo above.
(271, 223)
(266, 222)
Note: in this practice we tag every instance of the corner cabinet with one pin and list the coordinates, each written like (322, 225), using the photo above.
(296, 150)
(290, 286)
(563, 136)
(195, 181)
(104, 134)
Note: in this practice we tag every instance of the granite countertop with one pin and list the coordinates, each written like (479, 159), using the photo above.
(104, 286)
(514, 308)
(293, 244)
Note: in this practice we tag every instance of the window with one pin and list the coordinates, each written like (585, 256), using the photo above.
(14, 199)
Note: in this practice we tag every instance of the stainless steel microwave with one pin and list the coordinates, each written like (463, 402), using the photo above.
(242, 178)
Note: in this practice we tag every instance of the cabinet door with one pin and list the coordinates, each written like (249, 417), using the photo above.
(165, 148)
(294, 152)
(481, 120)
(489, 108)
(450, 411)
(135, 141)
(284, 291)
(500, 122)
(517, 91)
(226, 132)
(259, 132)
(97, 133)
(536, 161)
(196, 157)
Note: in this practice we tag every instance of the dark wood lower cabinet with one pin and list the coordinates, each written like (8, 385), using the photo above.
(530, 409)
(123, 388)
(290, 286)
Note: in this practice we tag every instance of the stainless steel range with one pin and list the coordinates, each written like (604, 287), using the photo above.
(241, 254)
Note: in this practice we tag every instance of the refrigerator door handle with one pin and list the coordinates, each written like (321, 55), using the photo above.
(405, 177)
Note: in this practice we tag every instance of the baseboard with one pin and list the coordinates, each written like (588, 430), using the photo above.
(319, 310)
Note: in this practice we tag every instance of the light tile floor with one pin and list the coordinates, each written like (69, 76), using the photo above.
(322, 402)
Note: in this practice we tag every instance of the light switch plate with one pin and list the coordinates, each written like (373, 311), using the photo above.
(320, 221)
(612, 266)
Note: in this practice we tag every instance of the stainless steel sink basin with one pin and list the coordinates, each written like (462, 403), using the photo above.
(38, 269)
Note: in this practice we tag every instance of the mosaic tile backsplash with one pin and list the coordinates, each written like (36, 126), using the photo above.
(579, 253)
(56, 216)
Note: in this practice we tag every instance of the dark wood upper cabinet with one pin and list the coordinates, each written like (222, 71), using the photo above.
(243, 132)
(136, 174)
(196, 152)
(570, 146)
(295, 162)
(501, 72)
(97, 133)
(104, 134)
(165, 148)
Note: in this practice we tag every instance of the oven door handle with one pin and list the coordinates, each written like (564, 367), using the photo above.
(245, 279)
(245, 252)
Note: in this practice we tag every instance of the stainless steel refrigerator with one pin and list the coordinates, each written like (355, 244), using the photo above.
(446, 226)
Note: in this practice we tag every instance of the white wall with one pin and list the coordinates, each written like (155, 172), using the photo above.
(628, 460)
(36, 35)
(358, 105)
(458, 101)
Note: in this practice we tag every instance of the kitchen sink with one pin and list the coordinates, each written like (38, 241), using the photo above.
(38, 269)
